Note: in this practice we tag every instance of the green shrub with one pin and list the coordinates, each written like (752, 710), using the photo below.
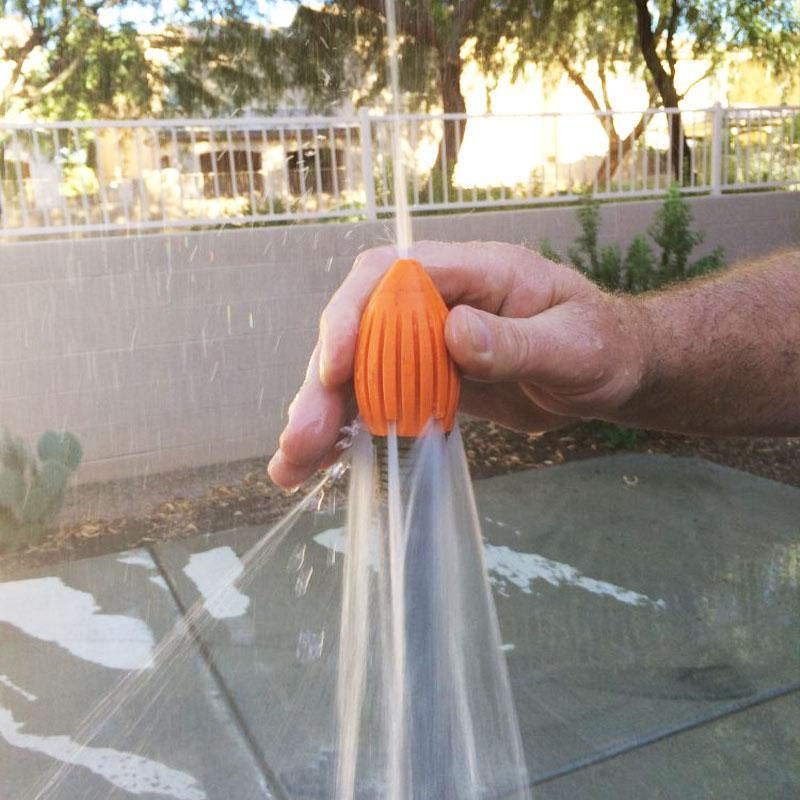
(548, 251)
(31, 489)
(639, 270)
(671, 230)
(615, 437)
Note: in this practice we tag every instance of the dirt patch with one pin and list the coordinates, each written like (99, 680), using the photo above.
(109, 517)
(493, 450)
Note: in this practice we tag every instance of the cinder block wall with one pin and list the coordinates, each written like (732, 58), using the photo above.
(167, 351)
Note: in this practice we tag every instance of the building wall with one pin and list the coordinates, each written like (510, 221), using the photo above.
(176, 350)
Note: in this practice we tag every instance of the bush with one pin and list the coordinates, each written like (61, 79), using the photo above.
(640, 270)
(615, 437)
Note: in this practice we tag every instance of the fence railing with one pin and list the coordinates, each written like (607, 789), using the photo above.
(107, 176)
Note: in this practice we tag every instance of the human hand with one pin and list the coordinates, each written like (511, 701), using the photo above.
(537, 343)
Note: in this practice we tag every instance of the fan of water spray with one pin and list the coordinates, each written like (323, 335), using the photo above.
(424, 704)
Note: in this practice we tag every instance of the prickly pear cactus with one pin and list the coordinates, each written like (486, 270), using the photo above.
(60, 446)
(31, 490)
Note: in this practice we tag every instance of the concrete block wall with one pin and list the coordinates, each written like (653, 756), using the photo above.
(177, 350)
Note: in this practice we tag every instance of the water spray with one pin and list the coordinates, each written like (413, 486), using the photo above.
(407, 387)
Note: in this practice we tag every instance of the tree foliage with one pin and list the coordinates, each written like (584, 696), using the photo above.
(220, 67)
(83, 59)
(73, 63)
(79, 59)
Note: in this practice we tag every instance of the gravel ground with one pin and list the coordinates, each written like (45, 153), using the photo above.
(108, 517)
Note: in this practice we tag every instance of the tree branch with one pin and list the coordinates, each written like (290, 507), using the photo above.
(707, 74)
(647, 44)
(578, 80)
(464, 14)
(34, 40)
(671, 28)
(601, 72)
(57, 80)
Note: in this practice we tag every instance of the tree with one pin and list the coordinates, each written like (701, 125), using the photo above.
(332, 51)
(220, 66)
(572, 38)
(432, 35)
(81, 59)
(768, 29)
(71, 62)
(644, 37)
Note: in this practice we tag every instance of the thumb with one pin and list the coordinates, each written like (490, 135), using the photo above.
(492, 348)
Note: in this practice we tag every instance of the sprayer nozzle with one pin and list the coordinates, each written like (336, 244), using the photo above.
(403, 372)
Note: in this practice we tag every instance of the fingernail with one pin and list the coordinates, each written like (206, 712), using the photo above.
(479, 335)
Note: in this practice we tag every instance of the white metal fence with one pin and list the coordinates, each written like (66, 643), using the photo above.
(107, 176)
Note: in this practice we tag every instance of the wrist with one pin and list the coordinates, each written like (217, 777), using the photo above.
(636, 333)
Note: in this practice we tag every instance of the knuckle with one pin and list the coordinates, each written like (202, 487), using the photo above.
(520, 348)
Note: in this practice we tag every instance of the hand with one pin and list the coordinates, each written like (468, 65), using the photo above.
(537, 343)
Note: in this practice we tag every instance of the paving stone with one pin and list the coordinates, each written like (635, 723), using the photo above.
(744, 756)
(637, 595)
(68, 636)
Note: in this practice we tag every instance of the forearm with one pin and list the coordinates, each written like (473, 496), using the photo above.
(721, 355)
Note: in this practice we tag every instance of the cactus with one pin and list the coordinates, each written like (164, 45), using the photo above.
(31, 491)
(62, 447)
(12, 488)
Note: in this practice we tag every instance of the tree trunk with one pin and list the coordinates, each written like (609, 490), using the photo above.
(665, 84)
(617, 154)
(452, 103)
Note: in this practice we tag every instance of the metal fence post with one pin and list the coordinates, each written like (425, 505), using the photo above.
(716, 148)
(365, 139)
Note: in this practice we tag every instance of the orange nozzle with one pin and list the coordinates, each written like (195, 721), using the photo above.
(403, 372)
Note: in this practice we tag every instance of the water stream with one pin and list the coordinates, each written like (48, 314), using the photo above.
(402, 215)
(425, 709)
